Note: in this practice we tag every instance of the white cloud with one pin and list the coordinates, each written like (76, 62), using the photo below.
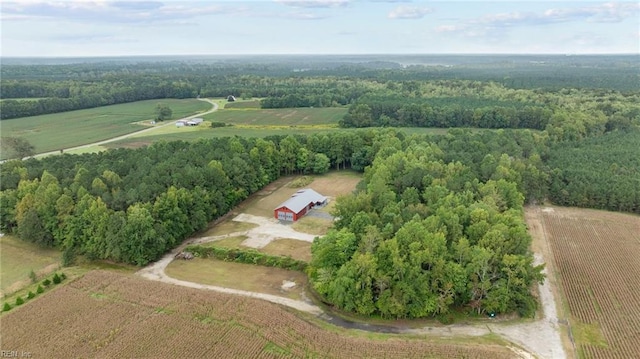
(111, 12)
(314, 3)
(494, 24)
(409, 12)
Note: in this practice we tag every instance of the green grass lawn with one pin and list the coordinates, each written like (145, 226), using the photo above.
(247, 277)
(18, 258)
(279, 117)
(67, 129)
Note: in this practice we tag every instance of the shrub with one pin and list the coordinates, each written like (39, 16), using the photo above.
(56, 279)
(68, 257)
(300, 182)
(6, 307)
(218, 124)
(46, 282)
(33, 276)
(19, 301)
(31, 295)
(40, 289)
(248, 256)
(63, 276)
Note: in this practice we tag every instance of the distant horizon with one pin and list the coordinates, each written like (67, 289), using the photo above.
(326, 55)
(74, 28)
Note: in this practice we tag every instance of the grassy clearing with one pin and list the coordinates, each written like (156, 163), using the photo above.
(239, 276)
(230, 242)
(279, 117)
(332, 184)
(312, 225)
(52, 132)
(19, 258)
(227, 227)
(294, 248)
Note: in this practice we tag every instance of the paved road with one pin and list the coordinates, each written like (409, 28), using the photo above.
(150, 129)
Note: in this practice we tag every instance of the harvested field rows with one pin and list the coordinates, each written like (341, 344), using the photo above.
(108, 315)
(597, 256)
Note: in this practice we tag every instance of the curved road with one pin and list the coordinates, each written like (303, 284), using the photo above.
(98, 143)
(540, 338)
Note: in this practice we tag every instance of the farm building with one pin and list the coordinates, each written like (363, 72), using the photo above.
(299, 204)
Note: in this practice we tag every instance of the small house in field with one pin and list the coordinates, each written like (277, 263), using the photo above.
(299, 204)
(194, 121)
(181, 123)
(231, 98)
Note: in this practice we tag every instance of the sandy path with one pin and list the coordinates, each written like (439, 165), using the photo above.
(540, 338)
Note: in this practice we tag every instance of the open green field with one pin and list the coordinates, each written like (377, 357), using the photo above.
(279, 117)
(67, 129)
(19, 258)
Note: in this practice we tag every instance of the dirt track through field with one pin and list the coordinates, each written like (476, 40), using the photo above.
(540, 338)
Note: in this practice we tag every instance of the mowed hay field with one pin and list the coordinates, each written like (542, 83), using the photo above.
(109, 315)
(596, 255)
(67, 129)
(279, 117)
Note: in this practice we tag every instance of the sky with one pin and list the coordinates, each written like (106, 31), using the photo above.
(32, 28)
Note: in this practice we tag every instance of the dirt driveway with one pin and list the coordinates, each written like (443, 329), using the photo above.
(540, 338)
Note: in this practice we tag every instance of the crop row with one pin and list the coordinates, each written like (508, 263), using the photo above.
(107, 315)
(600, 272)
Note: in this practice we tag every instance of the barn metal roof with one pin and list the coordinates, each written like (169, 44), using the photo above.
(301, 199)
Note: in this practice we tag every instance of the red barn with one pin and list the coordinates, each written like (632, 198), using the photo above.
(298, 205)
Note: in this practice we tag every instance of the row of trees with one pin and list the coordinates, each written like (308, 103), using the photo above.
(133, 205)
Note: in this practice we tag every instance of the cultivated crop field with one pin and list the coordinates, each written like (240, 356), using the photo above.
(109, 315)
(73, 128)
(596, 255)
(279, 117)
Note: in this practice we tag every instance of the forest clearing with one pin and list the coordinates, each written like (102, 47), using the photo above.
(104, 315)
(596, 256)
(51, 132)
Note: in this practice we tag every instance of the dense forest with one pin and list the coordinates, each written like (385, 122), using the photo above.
(134, 205)
(29, 90)
(437, 221)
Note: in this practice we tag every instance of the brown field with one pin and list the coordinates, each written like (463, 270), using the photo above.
(596, 257)
(109, 315)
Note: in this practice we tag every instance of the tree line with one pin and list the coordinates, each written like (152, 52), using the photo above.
(436, 223)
